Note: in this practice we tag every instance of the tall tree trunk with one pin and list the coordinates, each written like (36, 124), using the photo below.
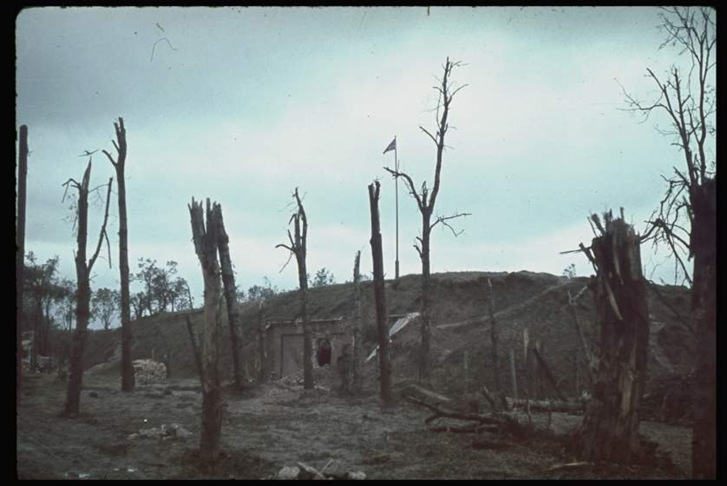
(83, 295)
(704, 304)
(380, 296)
(20, 255)
(611, 424)
(357, 349)
(233, 312)
(206, 244)
(127, 339)
(426, 308)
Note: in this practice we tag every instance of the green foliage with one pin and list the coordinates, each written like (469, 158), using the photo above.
(162, 290)
(105, 304)
(323, 277)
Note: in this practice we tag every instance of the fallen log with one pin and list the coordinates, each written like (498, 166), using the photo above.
(546, 405)
(442, 412)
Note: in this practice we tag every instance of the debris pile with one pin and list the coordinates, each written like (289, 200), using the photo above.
(164, 432)
(306, 472)
(147, 371)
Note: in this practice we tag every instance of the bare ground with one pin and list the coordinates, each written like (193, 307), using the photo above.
(279, 424)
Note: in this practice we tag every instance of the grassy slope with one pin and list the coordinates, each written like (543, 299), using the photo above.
(536, 301)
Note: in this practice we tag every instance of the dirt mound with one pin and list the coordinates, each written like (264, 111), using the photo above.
(523, 300)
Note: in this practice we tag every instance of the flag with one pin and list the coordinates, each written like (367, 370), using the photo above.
(392, 146)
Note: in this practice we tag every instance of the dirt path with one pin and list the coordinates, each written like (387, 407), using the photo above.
(273, 426)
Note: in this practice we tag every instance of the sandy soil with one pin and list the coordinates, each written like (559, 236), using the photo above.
(279, 424)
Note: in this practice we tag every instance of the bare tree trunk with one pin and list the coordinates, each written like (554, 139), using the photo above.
(380, 296)
(233, 313)
(357, 348)
(20, 255)
(493, 336)
(83, 302)
(611, 424)
(205, 244)
(426, 309)
(298, 248)
(704, 305)
(127, 367)
(263, 376)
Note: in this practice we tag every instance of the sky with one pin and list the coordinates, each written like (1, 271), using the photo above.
(242, 105)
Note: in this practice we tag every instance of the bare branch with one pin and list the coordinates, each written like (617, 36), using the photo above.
(410, 185)
(430, 135)
(444, 219)
(102, 234)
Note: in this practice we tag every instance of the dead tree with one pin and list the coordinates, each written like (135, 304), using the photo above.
(233, 313)
(425, 202)
(686, 220)
(357, 344)
(611, 424)
(195, 349)
(83, 293)
(127, 368)
(297, 248)
(206, 237)
(380, 296)
(20, 254)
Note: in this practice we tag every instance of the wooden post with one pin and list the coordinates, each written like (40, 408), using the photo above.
(262, 378)
(493, 336)
(380, 296)
(512, 374)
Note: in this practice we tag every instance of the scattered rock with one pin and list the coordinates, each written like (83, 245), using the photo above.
(288, 472)
(356, 475)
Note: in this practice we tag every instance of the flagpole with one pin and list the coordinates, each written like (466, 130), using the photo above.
(396, 186)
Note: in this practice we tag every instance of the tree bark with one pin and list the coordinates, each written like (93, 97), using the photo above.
(206, 244)
(380, 296)
(195, 350)
(426, 308)
(704, 305)
(20, 255)
(611, 424)
(127, 367)
(83, 302)
(233, 312)
(357, 345)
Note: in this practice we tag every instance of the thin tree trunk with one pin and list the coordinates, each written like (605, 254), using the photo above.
(127, 367)
(262, 378)
(307, 338)
(357, 345)
(611, 423)
(704, 305)
(426, 309)
(233, 312)
(20, 255)
(206, 243)
(83, 302)
(493, 335)
(380, 296)
(513, 375)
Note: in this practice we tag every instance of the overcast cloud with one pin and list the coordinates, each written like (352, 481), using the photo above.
(242, 105)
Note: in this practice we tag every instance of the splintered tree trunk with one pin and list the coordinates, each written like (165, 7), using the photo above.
(233, 313)
(610, 426)
(380, 296)
(20, 255)
(307, 338)
(205, 244)
(704, 305)
(127, 367)
(357, 350)
(83, 294)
